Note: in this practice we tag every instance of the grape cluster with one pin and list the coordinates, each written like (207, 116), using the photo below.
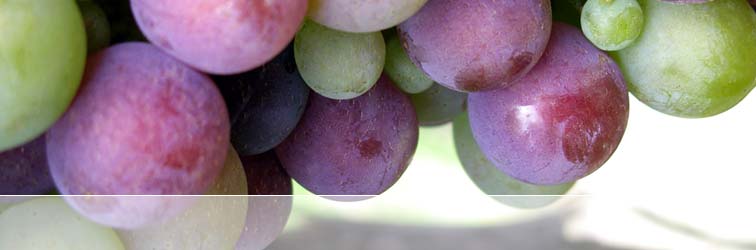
(108, 101)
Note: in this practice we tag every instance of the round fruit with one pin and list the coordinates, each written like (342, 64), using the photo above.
(355, 147)
(339, 65)
(612, 24)
(492, 181)
(214, 220)
(48, 223)
(220, 36)
(264, 104)
(142, 124)
(477, 45)
(362, 16)
(692, 60)
(561, 121)
(42, 54)
(438, 105)
(401, 70)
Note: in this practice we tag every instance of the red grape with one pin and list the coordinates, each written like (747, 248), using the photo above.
(143, 124)
(477, 45)
(359, 146)
(560, 122)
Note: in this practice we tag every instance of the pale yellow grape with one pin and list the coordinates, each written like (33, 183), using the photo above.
(49, 224)
(214, 222)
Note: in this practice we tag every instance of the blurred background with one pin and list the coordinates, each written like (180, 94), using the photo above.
(673, 184)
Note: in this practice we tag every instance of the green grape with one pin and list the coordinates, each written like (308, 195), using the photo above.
(401, 70)
(49, 224)
(611, 24)
(213, 222)
(692, 60)
(42, 53)
(438, 105)
(491, 180)
(336, 64)
(96, 25)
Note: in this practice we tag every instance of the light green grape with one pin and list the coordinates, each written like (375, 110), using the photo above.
(492, 181)
(611, 24)
(438, 105)
(692, 60)
(49, 224)
(4, 206)
(336, 64)
(401, 70)
(42, 53)
(213, 222)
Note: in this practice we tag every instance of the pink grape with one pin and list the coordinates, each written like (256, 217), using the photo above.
(560, 122)
(220, 36)
(142, 124)
(477, 45)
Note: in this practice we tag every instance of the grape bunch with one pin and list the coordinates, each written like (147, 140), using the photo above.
(145, 115)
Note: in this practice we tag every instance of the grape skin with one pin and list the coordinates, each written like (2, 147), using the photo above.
(477, 45)
(693, 60)
(265, 104)
(612, 25)
(438, 105)
(492, 181)
(220, 36)
(560, 122)
(401, 70)
(355, 147)
(361, 16)
(212, 221)
(48, 223)
(41, 63)
(336, 64)
(143, 124)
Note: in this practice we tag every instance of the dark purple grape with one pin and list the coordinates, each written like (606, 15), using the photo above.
(265, 104)
(359, 146)
(24, 170)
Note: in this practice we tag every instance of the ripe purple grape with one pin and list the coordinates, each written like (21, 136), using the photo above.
(143, 124)
(560, 122)
(477, 45)
(352, 147)
(264, 104)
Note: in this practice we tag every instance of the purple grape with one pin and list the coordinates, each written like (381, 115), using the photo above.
(560, 122)
(143, 124)
(264, 104)
(352, 147)
(477, 45)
